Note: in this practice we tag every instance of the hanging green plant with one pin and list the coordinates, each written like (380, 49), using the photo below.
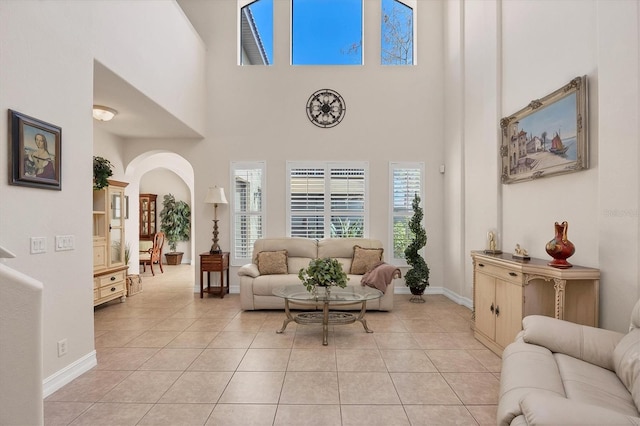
(102, 170)
(416, 278)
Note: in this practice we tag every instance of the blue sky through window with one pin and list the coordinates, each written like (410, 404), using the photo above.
(262, 11)
(327, 32)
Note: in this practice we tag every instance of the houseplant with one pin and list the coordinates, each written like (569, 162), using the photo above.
(416, 278)
(102, 170)
(323, 272)
(175, 222)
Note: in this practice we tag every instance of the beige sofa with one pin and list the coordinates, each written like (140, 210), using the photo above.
(256, 288)
(561, 373)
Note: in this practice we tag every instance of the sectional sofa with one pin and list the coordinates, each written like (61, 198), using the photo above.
(277, 261)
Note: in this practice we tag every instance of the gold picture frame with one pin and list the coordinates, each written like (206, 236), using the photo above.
(547, 137)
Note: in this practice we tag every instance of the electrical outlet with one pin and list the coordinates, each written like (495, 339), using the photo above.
(62, 347)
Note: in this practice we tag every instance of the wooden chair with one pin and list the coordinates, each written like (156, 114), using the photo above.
(154, 254)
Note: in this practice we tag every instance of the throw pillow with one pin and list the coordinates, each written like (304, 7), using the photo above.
(272, 262)
(364, 259)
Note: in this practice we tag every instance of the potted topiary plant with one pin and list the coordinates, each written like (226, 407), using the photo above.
(175, 222)
(324, 272)
(102, 170)
(416, 278)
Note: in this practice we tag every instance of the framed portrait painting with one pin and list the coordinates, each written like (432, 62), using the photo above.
(548, 136)
(34, 152)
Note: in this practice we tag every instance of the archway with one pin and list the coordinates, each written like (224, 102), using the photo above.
(134, 172)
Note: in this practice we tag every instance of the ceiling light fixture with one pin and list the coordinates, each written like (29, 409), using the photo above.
(103, 113)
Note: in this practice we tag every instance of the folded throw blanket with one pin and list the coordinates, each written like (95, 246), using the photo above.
(380, 276)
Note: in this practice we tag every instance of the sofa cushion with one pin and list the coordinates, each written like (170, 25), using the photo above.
(626, 358)
(594, 385)
(364, 259)
(272, 262)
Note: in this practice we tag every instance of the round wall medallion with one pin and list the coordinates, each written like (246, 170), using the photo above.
(326, 108)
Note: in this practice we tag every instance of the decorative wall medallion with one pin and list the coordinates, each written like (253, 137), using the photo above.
(326, 108)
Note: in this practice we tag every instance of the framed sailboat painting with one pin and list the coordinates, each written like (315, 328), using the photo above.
(548, 136)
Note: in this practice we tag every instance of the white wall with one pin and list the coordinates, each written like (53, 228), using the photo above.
(258, 113)
(47, 52)
(509, 58)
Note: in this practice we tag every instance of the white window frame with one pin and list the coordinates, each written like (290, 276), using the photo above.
(413, 5)
(393, 166)
(235, 210)
(328, 166)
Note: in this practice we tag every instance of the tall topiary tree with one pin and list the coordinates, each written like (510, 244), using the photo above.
(416, 278)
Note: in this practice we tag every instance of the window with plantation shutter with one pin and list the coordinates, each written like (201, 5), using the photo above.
(406, 180)
(327, 200)
(247, 207)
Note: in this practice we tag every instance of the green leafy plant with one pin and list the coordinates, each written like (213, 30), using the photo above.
(346, 228)
(102, 170)
(323, 272)
(416, 278)
(175, 221)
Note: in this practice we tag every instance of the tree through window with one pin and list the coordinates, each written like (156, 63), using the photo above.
(397, 32)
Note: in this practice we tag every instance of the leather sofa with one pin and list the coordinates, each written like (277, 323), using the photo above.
(561, 373)
(256, 288)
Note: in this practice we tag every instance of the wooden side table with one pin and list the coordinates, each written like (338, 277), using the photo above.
(214, 263)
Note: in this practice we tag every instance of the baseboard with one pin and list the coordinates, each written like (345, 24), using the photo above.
(67, 374)
(460, 300)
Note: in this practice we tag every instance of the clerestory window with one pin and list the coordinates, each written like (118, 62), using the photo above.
(398, 32)
(326, 32)
(256, 32)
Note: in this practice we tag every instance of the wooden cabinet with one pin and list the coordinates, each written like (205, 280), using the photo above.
(109, 268)
(505, 290)
(148, 216)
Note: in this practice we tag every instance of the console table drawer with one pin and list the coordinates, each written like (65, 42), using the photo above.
(500, 272)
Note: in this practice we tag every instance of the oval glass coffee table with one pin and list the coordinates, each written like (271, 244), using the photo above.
(351, 295)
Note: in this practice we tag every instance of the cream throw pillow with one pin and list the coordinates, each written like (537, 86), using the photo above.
(364, 259)
(272, 262)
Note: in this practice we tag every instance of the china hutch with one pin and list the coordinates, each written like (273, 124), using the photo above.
(109, 266)
(147, 216)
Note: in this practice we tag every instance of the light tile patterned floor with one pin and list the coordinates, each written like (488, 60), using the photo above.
(166, 357)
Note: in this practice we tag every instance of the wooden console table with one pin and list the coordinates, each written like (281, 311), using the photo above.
(214, 263)
(505, 290)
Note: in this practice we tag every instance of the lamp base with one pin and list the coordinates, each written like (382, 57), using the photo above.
(215, 249)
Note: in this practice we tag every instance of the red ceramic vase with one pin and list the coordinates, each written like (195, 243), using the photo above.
(560, 248)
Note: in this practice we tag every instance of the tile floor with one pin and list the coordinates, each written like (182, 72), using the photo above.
(166, 357)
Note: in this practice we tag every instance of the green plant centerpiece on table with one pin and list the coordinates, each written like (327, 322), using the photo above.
(324, 272)
(102, 170)
(416, 278)
(175, 222)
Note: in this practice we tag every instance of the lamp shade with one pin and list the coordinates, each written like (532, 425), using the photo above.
(215, 195)
(103, 113)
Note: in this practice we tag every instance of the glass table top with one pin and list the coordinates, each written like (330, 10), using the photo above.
(337, 295)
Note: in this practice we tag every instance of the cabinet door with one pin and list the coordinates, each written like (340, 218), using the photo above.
(116, 226)
(509, 312)
(485, 306)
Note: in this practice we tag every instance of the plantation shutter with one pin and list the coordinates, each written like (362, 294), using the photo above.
(248, 209)
(406, 183)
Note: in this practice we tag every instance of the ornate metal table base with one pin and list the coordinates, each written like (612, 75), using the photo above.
(325, 318)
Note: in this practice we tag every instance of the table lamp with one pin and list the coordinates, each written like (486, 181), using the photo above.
(215, 196)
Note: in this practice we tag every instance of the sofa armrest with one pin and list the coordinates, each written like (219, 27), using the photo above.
(249, 270)
(590, 344)
(545, 409)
